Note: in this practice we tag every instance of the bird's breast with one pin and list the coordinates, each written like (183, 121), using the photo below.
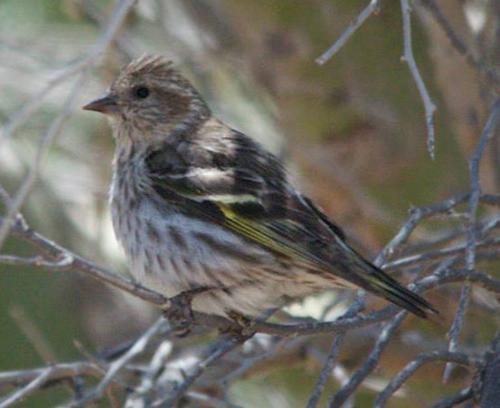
(174, 251)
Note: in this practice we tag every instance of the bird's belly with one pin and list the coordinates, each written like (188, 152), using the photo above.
(171, 253)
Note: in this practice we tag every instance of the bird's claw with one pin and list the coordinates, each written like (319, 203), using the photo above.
(243, 327)
(178, 311)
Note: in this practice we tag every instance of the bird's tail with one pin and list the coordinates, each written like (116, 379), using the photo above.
(375, 280)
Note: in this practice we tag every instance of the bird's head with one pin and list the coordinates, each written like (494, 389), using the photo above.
(149, 99)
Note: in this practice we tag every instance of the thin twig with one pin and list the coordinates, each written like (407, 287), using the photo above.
(485, 383)
(371, 362)
(326, 372)
(408, 57)
(59, 372)
(438, 254)
(37, 261)
(116, 366)
(461, 396)
(72, 261)
(456, 327)
(223, 346)
(416, 216)
(349, 31)
(470, 251)
(399, 379)
(475, 182)
(356, 307)
(383, 339)
(28, 389)
(160, 357)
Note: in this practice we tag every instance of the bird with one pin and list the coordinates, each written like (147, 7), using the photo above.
(201, 208)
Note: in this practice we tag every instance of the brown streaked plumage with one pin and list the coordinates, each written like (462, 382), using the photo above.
(197, 204)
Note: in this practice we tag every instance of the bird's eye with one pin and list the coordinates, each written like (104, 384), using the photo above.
(141, 92)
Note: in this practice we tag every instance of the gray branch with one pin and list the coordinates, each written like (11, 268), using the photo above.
(408, 57)
(349, 31)
(411, 368)
(470, 251)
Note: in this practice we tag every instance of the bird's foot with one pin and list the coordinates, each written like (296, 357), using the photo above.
(178, 311)
(242, 327)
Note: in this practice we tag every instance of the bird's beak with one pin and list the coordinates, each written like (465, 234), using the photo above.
(106, 104)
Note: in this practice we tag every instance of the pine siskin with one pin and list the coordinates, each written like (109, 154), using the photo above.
(201, 207)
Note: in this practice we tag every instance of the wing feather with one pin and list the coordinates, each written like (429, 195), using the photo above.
(232, 182)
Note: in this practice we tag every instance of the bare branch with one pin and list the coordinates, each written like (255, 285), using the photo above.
(409, 370)
(223, 346)
(490, 199)
(461, 396)
(438, 254)
(349, 31)
(37, 261)
(114, 368)
(470, 252)
(371, 362)
(58, 372)
(28, 389)
(408, 57)
(456, 327)
(416, 216)
(485, 387)
(326, 372)
(475, 182)
(138, 398)
(72, 261)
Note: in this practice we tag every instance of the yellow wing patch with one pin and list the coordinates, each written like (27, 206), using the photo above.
(263, 235)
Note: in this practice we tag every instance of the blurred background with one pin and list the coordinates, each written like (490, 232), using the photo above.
(352, 131)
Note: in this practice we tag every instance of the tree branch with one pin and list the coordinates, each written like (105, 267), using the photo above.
(399, 379)
(349, 31)
(408, 57)
(470, 251)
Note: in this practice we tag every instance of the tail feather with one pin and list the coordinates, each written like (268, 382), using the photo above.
(390, 289)
(375, 280)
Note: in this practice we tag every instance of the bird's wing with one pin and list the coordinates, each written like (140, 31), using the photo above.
(250, 196)
(245, 190)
